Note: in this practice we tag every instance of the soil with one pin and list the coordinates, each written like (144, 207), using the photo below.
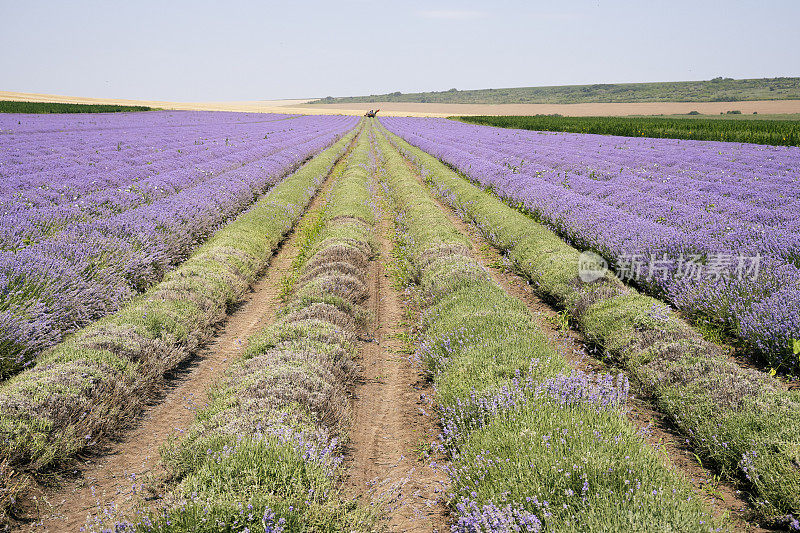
(389, 453)
(116, 476)
(725, 501)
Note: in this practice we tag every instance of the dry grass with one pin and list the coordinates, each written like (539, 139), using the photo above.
(301, 106)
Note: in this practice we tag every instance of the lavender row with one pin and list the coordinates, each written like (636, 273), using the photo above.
(72, 153)
(98, 380)
(738, 420)
(655, 199)
(265, 454)
(89, 269)
(533, 445)
(54, 179)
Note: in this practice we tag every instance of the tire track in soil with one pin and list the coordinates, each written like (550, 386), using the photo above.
(721, 497)
(119, 472)
(392, 416)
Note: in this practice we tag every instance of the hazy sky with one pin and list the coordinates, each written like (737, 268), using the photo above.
(238, 50)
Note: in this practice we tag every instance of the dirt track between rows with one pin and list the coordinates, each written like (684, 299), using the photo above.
(392, 417)
(116, 475)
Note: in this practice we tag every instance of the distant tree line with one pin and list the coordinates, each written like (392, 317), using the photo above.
(715, 90)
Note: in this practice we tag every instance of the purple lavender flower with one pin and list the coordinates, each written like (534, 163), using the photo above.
(657, 198)
(491, 518)
(95, 209)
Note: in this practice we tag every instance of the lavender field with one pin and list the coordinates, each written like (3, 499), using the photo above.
(234, 297)
(233, 291)
(96, 208)
(714, 228)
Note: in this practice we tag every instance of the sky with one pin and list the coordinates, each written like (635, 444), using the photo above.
(248, 50)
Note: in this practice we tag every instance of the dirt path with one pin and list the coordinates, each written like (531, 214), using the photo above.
(392, 419)
(114, 478)
(721, 497)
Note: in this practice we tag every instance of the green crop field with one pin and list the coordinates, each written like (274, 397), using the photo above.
(784, 132)
(716, 90)
(7, 106)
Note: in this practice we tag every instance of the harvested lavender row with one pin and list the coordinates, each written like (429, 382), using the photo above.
(263, 456)
(713, 227)
(739, 420)
(534, 446)
(597, 392)
(95, 382)
(105, 214)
